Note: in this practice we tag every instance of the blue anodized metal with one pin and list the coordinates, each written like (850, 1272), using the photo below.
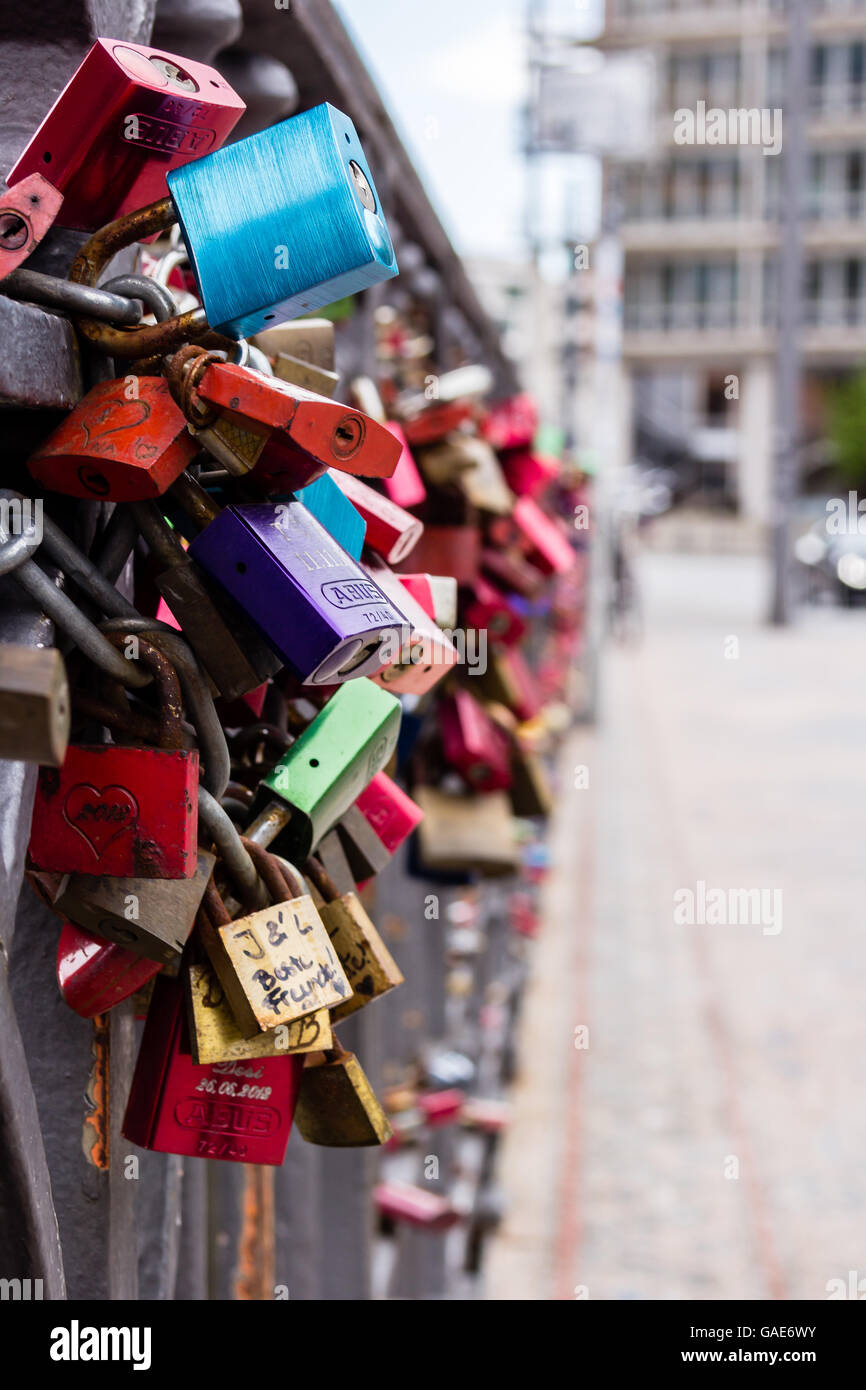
(313, 604)
(329, 505)
(283, 222)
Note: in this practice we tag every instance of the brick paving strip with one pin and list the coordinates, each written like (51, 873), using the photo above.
(709, 1142)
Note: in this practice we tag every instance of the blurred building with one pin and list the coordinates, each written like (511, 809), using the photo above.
(700, 236)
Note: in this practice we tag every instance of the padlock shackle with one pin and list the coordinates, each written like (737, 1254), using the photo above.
(193, 499)
(238, 863)
(94, 256)
(170, 717)
(269, 871)
(162, 541)
(319, 876)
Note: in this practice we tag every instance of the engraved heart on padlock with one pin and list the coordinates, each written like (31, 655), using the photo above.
(128, 415)
(100, 817)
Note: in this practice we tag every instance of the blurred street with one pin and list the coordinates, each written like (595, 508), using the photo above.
(708, 1142)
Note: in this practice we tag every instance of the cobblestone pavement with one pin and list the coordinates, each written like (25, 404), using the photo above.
(710, 1142)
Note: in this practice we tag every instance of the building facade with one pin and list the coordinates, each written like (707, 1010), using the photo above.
(700, 234)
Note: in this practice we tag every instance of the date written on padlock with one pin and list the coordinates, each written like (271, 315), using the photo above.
(116, 445)
(215, 1036)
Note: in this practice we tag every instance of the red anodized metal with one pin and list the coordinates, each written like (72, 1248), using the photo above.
(390, 811)
(405, 485)
(26, 213)
(548, 548)
(437, 421)
(237, 1111)
(306, 433)
(119, 811)
(127, 115)
(528, 473)
(473, 744)
(93, 974)
(391, 531)
(511, 424)
(125, 449)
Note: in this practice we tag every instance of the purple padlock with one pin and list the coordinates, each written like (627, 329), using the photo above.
(313, 604)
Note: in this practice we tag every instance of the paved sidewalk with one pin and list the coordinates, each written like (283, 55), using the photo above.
(711, 1140)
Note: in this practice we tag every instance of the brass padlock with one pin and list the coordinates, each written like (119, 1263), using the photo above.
(151, 916)
(34, 705)
(371, 969)
(530, 787)
(466, 832)
(275, 964)
(336, 1104)
(215, 1037)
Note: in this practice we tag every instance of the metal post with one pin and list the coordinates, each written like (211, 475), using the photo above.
(790, 310)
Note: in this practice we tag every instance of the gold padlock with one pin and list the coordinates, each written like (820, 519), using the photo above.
(275, 964)
(336, 1104)
(460, 833)
(370, 968)
(215, 1036)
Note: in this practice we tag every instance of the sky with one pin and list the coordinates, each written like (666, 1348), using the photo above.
(453, 76)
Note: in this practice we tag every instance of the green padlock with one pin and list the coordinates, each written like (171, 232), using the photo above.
(326, 769)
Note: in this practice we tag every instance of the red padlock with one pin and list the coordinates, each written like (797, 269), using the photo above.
(511, 424)
(473, 744)
(389, 810)
(402, 1201)
(405, 485)
(426, 653)
(454, 550)
(237, 1111)
(512, 571)
(126, 812)
(438, 420)
(128, 114)
(489, 608)
(528, 473)
(391, 531)
(547, 547)
(126, 441)
(94, 974)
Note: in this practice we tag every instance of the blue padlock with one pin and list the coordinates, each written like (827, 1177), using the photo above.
(332, 508)
(282, 223)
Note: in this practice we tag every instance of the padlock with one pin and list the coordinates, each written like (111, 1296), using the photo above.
(425, 653)
(454, 550)
(152, 917)
(527, 472)
(215, 1037)
(336, 1105)
(438, 420)
(364, 392)
(390, 811)
(429, 1110)
(448, 461)
(473, 744)
(509, 680)
(530, 787)
(483, 484)
(511, 424)
(391, 531)
(488, 608)
(317, 237)
(332, 506)
(307, 340)
(127, 115)
(405, 487)
(365, 853)
(511, 571)
(403, 1201)
(466, 833)
(546, 545)
(326, 768)
(222, 637)
(280, 436)
(314, 605)
(117, 447)
(370, 968)
(239, 1111)
(304, 374)
(34, 705)
(277, 964)
(123, 811)
(27, 210)
(437, 595)
(93, 975)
